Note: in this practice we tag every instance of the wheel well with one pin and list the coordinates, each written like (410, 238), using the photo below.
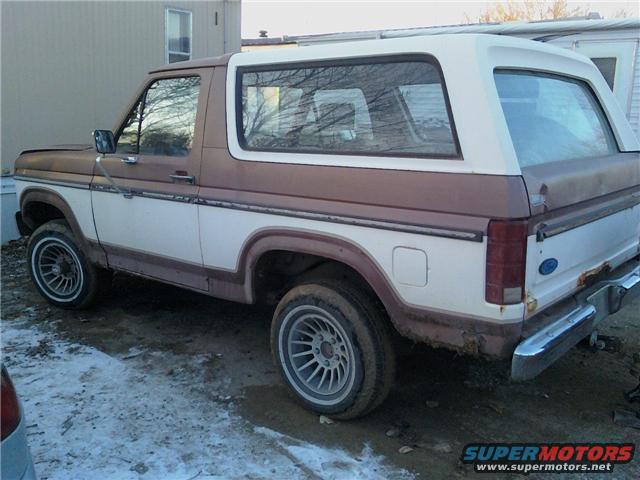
(277, 271)
(35, 214)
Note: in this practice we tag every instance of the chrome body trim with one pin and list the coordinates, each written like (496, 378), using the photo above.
(466, 235)
(556, 228)
(147, 194)
(324, 217)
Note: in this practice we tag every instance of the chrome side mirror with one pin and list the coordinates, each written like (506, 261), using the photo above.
(105, 141)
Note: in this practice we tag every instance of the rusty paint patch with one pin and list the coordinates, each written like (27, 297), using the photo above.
(530, 302)
(590, 276)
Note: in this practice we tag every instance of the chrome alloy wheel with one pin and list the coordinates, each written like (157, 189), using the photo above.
(57, 269)
(317, 355)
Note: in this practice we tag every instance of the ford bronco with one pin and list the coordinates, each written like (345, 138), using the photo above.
(475, 192)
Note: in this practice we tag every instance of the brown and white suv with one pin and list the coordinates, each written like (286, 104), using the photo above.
(473, 192)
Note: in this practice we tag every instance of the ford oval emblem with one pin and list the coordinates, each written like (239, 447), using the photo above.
(548, 266)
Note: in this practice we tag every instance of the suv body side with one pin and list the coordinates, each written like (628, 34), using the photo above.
(414, 229)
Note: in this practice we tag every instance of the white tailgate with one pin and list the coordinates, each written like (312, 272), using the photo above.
(613, 239)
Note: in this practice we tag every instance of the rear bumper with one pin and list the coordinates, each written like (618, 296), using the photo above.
(590, 307)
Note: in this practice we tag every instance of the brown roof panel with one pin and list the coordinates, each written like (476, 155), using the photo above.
(197, 63)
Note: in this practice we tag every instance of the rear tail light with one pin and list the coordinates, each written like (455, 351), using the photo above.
(9, 408)
(506, 260)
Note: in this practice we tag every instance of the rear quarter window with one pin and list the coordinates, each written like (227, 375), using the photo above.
(393, 108)
(552, 118)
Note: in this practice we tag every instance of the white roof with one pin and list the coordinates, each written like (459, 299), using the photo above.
(468, 62)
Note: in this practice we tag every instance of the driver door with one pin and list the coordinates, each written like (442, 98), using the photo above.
(150, 226)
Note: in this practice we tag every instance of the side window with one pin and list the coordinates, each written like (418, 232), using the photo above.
(165, 124)
(607, 67)
(428, 112)
(342, 113)
(395, 108)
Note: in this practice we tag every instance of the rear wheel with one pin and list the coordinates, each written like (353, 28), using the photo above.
(331, 344)
(59, 269)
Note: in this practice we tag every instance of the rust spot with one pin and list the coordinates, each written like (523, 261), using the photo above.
(589, 277)
(531, 303)
(502, 308)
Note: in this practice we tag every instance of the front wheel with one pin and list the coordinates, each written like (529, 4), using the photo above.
(60, 270)
(331, 344)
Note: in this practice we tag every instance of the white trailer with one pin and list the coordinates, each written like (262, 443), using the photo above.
(613, 45)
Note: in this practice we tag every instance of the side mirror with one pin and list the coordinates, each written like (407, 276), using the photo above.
(105, 141)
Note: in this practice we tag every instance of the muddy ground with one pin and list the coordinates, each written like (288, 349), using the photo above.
(440, 402)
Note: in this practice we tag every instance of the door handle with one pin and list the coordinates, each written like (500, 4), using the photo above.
(190, 179)
(129, 160)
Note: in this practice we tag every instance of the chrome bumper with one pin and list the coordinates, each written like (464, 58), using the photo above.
(540, 350)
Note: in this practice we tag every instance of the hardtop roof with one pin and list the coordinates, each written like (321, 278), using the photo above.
(458, 41)
(197, 63)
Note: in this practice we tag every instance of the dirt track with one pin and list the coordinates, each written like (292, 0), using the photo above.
(440, 402)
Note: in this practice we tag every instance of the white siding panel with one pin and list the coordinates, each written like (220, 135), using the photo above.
(634, 111)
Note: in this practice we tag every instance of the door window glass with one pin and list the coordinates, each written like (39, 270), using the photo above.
(128, 139)
(166, 124)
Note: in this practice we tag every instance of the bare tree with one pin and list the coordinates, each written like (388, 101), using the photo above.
(621, 13)
(528, 10)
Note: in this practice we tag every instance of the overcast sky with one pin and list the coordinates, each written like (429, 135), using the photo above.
(302, 17)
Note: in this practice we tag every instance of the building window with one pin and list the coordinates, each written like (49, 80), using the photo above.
(607, 66)
(178, 35)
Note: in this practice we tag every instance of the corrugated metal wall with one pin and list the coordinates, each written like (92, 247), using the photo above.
(71, 67)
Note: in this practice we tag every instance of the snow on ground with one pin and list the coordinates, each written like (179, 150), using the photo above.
(90, 415)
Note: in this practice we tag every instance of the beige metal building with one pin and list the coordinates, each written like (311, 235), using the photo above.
(71, 67)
